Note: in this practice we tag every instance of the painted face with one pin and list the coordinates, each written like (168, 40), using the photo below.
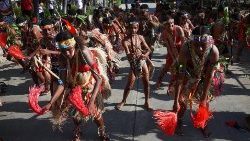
(134, 28)
(169, 24)
(48, 31)
(69, 52)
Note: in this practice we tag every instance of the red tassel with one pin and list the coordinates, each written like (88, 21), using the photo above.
(166, 121)
(3, 39)
(15, 51)
(69, 26)
(34, 93)
(201, 117)
(76, 99)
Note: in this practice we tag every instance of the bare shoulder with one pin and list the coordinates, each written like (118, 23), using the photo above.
(215, 50)
(214, 54)
(178, 27)
(141, 37)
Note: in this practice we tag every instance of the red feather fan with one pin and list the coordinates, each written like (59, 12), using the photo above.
(15, 51)
(3, 39)
(76, 99)
(69, 26)
(34, 93)
(201, 117)
(166, 121)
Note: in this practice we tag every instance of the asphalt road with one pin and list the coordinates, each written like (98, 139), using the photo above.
(19, 123)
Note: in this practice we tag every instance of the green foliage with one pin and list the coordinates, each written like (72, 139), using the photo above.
(17, 11)
(82, 18)
(248, 31)
(90, 10)
(46, 12)
(118, 2)
(226, 16)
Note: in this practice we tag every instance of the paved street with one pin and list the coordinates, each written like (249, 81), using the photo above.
(19, 123)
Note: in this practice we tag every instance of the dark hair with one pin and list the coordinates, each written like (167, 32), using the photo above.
(45, 22)
(201, 30)
(133, 19)
(1, 19)
(107, 20)
(236, 16)
(65, 35)
(20, 20)
(221, 8)
(144, 6)
(247, 19)
(166, 17)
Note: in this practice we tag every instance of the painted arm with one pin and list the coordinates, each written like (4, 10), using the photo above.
(125, 46)
(87, 54)
(209, 74)
(146, 47)
(180, 76)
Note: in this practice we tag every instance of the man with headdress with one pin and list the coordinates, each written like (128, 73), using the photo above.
(101, 40)
(198, 77)
(80, 69)
(137, 52)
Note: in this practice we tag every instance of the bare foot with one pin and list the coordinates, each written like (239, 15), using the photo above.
(119, 106)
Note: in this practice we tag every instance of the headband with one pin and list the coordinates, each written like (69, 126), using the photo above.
(22, 23)
(133, 22)
(67, 43)
(201, 38)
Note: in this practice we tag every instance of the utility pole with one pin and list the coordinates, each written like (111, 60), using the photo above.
(65, 3)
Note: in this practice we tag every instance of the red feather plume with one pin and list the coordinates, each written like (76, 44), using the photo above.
(69, 26)
(3, 39)
(166, 121)
(15, 51)
(34, 93)
(201, 117)
(76, 99)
